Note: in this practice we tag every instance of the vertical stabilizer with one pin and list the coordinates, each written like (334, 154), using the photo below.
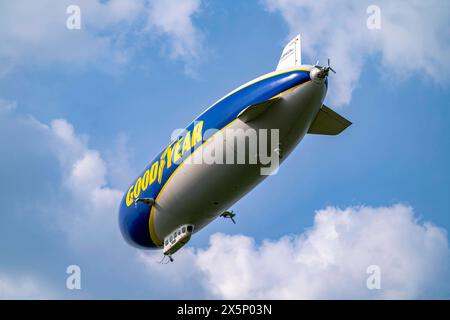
(292, 54)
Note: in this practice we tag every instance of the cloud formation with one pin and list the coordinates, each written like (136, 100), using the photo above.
(412, 38)
(61, 206)
(84, 205)
(174, 19)
(330, 260)
(35, 33)
(84, 173)
(22, 288)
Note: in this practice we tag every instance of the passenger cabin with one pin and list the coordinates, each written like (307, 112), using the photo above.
(178, 238)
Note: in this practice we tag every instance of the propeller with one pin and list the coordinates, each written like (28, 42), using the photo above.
(329, 67)
(321, 72)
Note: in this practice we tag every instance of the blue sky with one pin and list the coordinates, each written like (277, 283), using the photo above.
(83, 111)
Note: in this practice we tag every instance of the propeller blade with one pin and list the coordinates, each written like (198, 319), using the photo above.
(329, 67)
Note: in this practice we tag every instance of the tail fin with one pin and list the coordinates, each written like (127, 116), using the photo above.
(292, 54)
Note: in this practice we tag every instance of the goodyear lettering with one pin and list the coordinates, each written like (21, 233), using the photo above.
(162, 162)
(197, 133)
(130, 196)
(176, 151)
(153, 172)
(187, 143)
(172, 154)
(169, 156)
(137, 188)
(145, 180)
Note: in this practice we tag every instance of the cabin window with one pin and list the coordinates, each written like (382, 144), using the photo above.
(183, 229)
(189, 228)
(166, 242)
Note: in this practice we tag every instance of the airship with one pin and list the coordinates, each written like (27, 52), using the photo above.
(196, 178)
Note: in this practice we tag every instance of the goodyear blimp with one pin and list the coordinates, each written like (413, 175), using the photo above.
(165, 205)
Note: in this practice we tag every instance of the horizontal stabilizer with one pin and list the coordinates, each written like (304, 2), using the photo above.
(328, 122)
(255, 110)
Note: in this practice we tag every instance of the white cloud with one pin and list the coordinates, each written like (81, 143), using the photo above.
(412, 38)
(330, 260)
(85, 206)
(35, 32)
(70, 145)
(85, 178)
(88, 172)
(22, 288)
(174, 18)
(69, 215)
